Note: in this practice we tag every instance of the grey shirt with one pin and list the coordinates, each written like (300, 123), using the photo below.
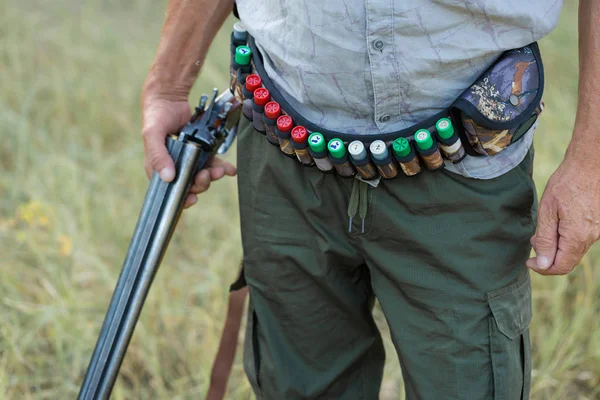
(374, 66)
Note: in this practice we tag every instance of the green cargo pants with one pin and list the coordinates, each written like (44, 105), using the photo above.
(444, 255)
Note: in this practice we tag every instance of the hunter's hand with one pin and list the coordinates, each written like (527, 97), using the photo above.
(160, 118)
(568, 216)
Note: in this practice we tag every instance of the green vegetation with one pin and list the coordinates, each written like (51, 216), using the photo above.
(72, 182)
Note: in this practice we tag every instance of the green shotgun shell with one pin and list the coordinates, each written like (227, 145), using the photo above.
(401, 147)
(316, 141)
(444, 128)
(423, 139)
(337, 149)
(243, 55)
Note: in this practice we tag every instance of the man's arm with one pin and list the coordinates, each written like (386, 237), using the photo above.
(569, 210)
(189, 29)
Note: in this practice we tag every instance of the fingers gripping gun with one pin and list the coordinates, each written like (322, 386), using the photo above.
(211, 131)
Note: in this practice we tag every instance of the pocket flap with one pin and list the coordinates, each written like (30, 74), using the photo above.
(508, 93)
(511, 307)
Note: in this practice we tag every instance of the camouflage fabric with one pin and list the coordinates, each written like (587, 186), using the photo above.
(505, 92)
(484, 140)
(508, 88)
(490, 141)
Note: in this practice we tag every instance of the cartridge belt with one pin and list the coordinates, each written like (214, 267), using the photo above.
(503, 120)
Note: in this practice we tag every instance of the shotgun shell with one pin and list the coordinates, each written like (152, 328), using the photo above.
(240, 68)
(239, 37)
(240, 33)
(339, 158)
(283, 130)
(361, 161)
(450, 144)
(382, 159)
(300, 145)
(272, 112)
(406, 157)
(428, 150)
(261, 98)
(253, 82)
(318, 150)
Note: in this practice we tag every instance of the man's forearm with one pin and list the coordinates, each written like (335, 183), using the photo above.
(189, 28)
(586, 136)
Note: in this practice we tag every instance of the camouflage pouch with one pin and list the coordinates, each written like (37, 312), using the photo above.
(504, 102)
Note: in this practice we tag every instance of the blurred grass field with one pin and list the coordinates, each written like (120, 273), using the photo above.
(71, 184)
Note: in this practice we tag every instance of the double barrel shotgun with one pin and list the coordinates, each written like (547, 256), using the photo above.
(211, 131)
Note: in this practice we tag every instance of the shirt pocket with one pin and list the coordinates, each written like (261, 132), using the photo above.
(509, 339)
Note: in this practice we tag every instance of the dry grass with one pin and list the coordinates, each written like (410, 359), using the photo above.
(71, 184)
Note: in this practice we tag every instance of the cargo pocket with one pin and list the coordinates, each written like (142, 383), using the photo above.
(509, 340)
(252, 351)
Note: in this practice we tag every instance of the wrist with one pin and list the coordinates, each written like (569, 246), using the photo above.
(163, 84)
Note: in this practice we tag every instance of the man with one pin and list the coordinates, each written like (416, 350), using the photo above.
(445, 253)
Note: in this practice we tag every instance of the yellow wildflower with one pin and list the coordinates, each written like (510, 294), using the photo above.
(25, 213)
(34, 213)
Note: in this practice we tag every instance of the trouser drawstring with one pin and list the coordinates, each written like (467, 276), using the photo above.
(359, 201)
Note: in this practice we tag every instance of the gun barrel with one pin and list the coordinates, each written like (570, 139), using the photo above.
(160, 212)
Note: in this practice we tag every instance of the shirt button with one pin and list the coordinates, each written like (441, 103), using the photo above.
(384, 118)
(378, 44)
